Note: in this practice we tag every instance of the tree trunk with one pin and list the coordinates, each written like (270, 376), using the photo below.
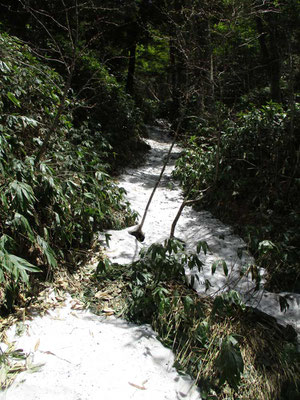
(270, 58)
(131, 69)
(275, 67)
(174, 82)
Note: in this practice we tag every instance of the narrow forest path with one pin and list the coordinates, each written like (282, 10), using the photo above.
(86, 357)
(76, 355)
(192, 227)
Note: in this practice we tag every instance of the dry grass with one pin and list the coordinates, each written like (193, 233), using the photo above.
(263, 345)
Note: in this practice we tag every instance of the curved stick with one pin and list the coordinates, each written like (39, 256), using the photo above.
(140, 236)
(185, 202)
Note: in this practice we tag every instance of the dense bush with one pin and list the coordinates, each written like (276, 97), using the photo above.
(251, 164)
(49, 209)
(108, 107)
(158, 265)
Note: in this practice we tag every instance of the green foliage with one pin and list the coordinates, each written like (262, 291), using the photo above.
(12, 266)
(53, 209)
(253, 169)
(217, 264)
(24, 81)
(12, 361)
(196, 167)
(157, 265)
(227, 304)
(153, 58)
(13, 270)
(152, 65)
(229, 361)
(104, 96)
(219, 342)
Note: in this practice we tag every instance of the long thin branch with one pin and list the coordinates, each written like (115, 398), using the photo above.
(161, 174)
(32, 13)
(185, 202)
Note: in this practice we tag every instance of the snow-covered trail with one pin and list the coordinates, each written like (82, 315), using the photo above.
(87, 357)
(192, 227)
(82, 356)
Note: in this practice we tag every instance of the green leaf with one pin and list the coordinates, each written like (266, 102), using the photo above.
(28, 121)
(225, 268)
(240, 252)
(21, 222)
(101, 176)
(13, 99)
(6, 243)
(22, 194)
(107, 239)
(199, 263)
(57, 219)
(102, 266)
(266, 246)
(283, 303)
(188, 303)
(4, 67)
(202, 245)
(229, 362)
(214, 267)
(23, 264)
(47, 251)
(161, 292)
(207, 284)
(16, 266)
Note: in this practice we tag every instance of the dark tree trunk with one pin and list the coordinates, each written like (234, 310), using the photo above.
(131, 69)
(275, 67)
(262, 42)
(175, 93)
(270, 58)
(177, 64)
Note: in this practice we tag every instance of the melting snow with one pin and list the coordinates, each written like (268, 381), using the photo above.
(87, 357)
(192, 227)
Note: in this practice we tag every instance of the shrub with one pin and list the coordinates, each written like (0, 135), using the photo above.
(252, 171)
(49, 210)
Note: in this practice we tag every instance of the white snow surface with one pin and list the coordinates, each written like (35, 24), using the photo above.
(192, 227)
(87, 357)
